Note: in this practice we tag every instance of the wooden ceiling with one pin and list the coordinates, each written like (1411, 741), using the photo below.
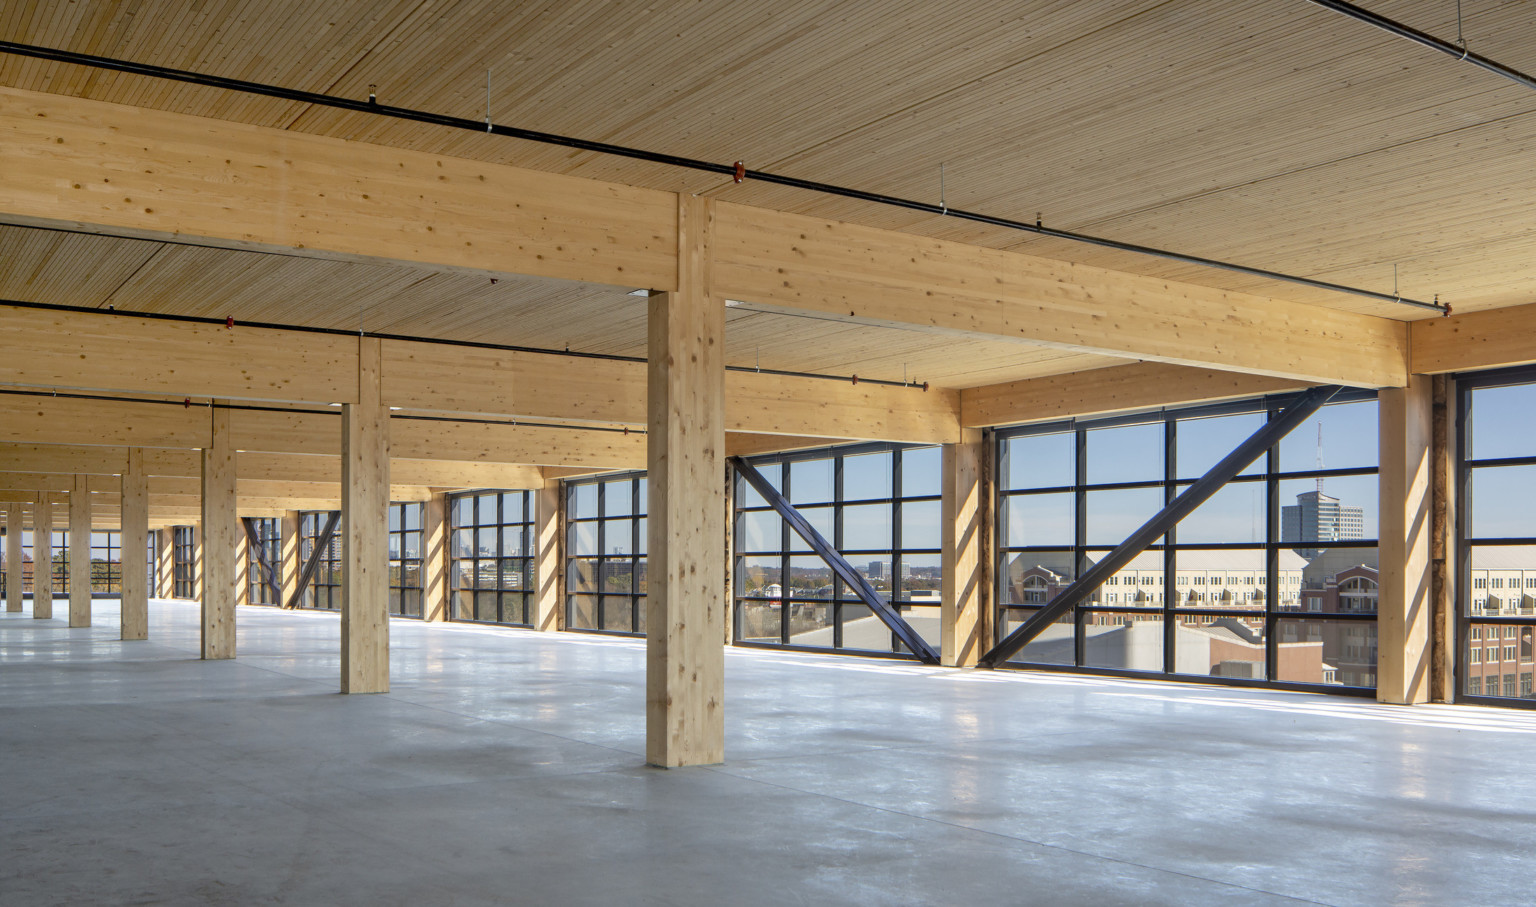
(1268, 132)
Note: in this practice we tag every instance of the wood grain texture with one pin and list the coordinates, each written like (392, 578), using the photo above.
(963, 610)
(365, 431)
(218, 538)
(1404, 608)
(1108, 390)
(80, 553)
(686, 604)
(549, 569)
(1474, 340)
(42, 555)
(134, 525)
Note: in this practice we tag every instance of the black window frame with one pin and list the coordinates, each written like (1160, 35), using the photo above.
(830, 612)
(1466, 546)
(269, 535)
(491, 588)
(324, 592)
(183, 562)
(1267, 472)
(407, 522)
(613, 612)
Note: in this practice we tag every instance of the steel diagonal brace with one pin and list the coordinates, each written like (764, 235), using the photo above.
(845, 571)
(1300, 409)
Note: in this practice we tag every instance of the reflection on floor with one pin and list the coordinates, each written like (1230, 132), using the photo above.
(505, 767)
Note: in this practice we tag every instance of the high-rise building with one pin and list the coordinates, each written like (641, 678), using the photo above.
(1318, 517)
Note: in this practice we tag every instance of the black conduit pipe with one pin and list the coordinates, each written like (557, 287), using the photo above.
(1449, 48)
(734, 171)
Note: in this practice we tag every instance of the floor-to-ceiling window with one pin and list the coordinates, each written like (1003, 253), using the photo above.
(879, 506)
(183, 563)
(1496, 534)
(269, 546)
(106, 563)
(491, 569)
(325, 586)
(60, 562)
(605, 554)
(152, 550)
(1271, 580)
(405, 559)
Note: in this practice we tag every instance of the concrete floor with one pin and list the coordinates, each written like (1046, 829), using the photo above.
(506, 768)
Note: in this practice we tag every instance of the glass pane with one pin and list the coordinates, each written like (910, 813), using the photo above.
(758, 621)
(584, 538)
(583, 501)
(1224, 579)
(394, 518)
(1345, 509)
(1130, 453)
(810, 481)
(618, 497)
(759, 530)
(866, 527)
(1053, 647)
(1503, 501)
(867, 476)
(642, 530)
(1113, 515)
(394, 546)
(412, 545)
(581, 576)
(640, 563)
(747, 497)
(921, 580)
(1502, 580)
(1201, 443)
(1220, 646)
(463, 606)
(463, 512)
(512, 541)
(618, 536)
(759, 577)
(1138, 584)
(617, 576)
(820, 519)
(1235, 513)
(810, 624)
(485, 607)
(1499, 422)
(1036, 577)
(1498, 660)
(1327, 652)
(1039, 461)
(410, 575)
(811, 579)
(645, 492)
(1348, 439)
(413, 516)
(618, 614)
(920, 526)
(1038, 519)
(485, 542)
(1331, 581)
(922, 471)
(514, 573)
(581, 614)
(1125, 642)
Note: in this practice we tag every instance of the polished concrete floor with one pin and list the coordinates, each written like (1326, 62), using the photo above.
(505, 768)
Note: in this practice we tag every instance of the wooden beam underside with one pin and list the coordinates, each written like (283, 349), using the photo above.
(98, 167)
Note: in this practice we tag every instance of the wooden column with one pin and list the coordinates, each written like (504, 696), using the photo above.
(15, 557)
(42, 557)
(365, 527)
(1403, 616)
(134, 523)
(288, 556)
(243, 569)
(963, 613)
(80, 552)
(685, 607)
(549, 569)
(165, 566)
(434, 559)
(220, 540)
